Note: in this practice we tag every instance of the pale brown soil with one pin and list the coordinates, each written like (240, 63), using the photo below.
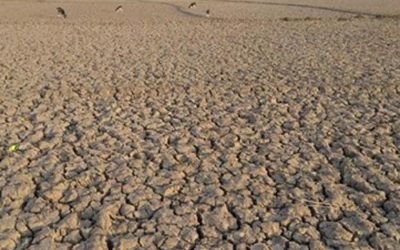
(261, 127)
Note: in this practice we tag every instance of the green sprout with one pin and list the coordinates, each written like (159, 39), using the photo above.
(13, 148)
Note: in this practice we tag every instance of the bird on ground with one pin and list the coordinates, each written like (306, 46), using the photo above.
(192, 5)
(207, 13)
(119, 8)
(61, 12)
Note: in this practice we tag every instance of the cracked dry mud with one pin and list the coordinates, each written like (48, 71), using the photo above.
(160, 130)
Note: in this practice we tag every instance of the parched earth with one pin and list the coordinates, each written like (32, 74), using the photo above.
(158, 129)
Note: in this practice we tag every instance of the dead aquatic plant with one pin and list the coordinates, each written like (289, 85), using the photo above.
(319, 203)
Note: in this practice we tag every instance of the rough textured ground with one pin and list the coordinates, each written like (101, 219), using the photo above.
(160, 129)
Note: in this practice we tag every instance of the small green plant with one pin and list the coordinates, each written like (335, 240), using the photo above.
(13, 148)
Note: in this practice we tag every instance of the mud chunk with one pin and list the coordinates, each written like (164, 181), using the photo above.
(335, 231)
(358, 225)
(38, 221)
(221, 218)
(249, 117)
(170, 243)
(7, 222)
(189, 235)
(55, 193)
(393, 206)
(277, 243)
(35, 205)
(381, 241)
(18, 187)
(104, 220)
(259, 246)
(244, 235)
(8, 240)
(271, 229)
(44, 233)
(36, 137)
(69, 196)
(127, 211)
(97, 242)
(171, 190)
(305, 234)
(165, 216)
(73, 237)
(316, 245)
(127, 243)
(71, 221)
(47, 243)
(144, 211)
(146, 241)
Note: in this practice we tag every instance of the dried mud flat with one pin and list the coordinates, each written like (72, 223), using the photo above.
(158, 128)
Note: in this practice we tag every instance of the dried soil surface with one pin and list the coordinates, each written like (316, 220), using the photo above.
(261, 127)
